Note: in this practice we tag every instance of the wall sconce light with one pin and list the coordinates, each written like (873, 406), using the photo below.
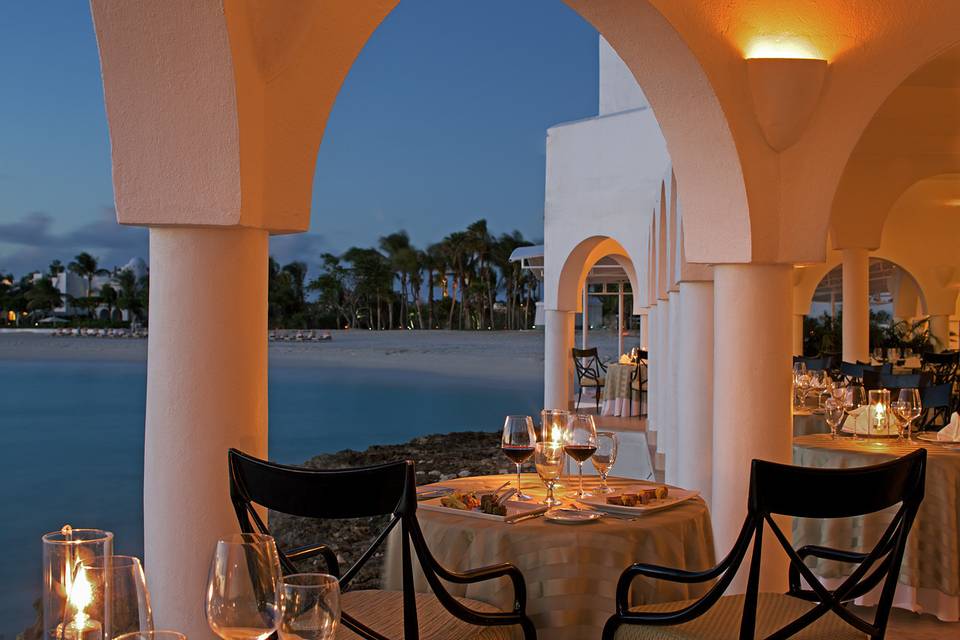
(786, 78)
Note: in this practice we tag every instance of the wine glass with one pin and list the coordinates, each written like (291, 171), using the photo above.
(309, 607)
(110, 591)
(548, 458)
(854, 397)
(518, 441)
(159, 634)
(907, 407)
(242, 587)
(833, 413)
(605, 457)
(580, 442)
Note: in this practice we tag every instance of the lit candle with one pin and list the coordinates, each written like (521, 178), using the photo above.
(81, 627)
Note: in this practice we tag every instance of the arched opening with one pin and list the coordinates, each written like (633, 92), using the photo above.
(898, 310)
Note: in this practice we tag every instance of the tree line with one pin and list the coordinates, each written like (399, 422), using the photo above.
(31, 298)
(465, 281)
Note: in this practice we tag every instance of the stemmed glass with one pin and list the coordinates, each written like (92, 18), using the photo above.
(159, 634)
(242, 587)
(580, 442)
(518, 441)
(549, 459)
(854, 397)
(309, 607)
(833, 413)
(907, 407)
(605, 457)
(111, 591)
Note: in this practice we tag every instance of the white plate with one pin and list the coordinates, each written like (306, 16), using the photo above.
(514, 507)
(572, 516)
(932, 437)
(675, 497)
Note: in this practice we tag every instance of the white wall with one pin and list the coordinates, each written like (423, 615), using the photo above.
(603, 178)
(619, 90)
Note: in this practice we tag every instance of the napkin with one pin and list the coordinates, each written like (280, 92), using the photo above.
(625, 359)
(951, 432)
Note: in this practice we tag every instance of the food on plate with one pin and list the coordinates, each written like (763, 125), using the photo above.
(462, 500)
(642, 496)
(490, 504)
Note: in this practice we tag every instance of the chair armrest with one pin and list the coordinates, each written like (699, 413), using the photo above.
(670, 574)
(489, 573)
(311, 550)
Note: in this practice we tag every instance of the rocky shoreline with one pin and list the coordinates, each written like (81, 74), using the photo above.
(438, 457)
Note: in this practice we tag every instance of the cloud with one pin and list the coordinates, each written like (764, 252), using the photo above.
(31, 243)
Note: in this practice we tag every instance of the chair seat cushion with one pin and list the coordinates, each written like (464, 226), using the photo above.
(382, 611)
(722, 621)
(589, 382)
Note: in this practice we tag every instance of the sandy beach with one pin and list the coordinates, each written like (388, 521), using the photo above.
(475, 354)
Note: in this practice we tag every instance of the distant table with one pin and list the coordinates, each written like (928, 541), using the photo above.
(618, 396)
(806, 422)
(929, 579)
(571, 571)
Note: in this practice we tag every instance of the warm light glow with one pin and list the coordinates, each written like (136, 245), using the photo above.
(952, 202)
(782, 46)
(556, 434)
(81, 595)
(880, 413)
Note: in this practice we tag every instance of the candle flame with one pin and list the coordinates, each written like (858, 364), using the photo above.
(80, 597)
(556, 434)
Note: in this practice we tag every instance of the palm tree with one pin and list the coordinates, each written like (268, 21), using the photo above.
(43, 296)
(433, 261)
(398, 249)
(455, 246)
(109, 297)
(85, 266)
(511, 273)
(131, 294)
(55, 269)
(480, 242)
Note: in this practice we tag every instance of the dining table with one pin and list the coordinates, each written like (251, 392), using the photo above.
(929, 579)
(619, 398)
(570, 570)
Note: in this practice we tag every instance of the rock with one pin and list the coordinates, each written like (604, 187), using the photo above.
(447, 476)
(464, 473)
(434, 474)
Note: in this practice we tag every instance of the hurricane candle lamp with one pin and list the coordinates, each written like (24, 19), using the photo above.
(879, 413)
(63, 553)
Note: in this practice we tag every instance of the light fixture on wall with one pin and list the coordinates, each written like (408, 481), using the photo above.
(786, 77)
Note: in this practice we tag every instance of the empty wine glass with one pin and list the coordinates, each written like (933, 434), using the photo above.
(854, 398)
(109, 591)
(548, 458)
(242, 587)
(907, 407)
(518, 441)
(580, 442)
(159, 634)
(605, 457)
(833, 413)
(309, 607)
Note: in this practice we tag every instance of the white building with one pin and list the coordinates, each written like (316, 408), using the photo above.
(70, 285)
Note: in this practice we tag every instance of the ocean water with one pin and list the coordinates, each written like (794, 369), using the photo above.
(71, 443)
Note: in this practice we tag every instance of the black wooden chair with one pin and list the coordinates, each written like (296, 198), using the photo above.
(944, 365)
(590, 372)
(638, 379)
(937, 402)
(387, 489)
(896, 381)
(803, 613)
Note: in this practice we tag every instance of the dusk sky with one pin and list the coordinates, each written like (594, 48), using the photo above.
(441, 121)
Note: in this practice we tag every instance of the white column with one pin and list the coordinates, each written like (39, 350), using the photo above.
(585, 317)
(653, 367)
(620, 320)
(672, 388)
(695, 371)
(206, 392)
(751, 395)
(645, 331)
(798, 334)
(557, 341)
(856, 305)
(940, 329)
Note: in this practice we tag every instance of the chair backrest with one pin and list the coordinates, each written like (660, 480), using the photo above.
(894, 381)
(778, 489)
(387, 489)
(944, 365)
(587, 363)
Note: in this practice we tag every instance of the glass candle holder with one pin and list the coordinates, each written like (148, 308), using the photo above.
(63, 552)
(552, 424)
(879, 413)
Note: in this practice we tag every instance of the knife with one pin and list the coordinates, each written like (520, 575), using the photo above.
(527, 515)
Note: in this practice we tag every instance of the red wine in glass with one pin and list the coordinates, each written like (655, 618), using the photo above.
(580, 453)
(517, 454)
